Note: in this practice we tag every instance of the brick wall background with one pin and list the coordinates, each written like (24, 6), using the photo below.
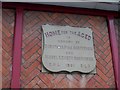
(31, 52)
(8, 18)
(31, 77)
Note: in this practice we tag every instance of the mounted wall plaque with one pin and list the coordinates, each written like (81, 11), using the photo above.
(68, 49)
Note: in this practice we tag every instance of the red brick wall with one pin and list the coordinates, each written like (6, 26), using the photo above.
(31, 52)
(7, 43)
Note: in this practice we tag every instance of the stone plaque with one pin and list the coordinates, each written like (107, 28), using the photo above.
(68, 48)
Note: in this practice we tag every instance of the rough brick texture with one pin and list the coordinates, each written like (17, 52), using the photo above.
(31, 52)
(7, 43)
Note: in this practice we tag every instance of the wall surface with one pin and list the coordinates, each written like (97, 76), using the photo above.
(31, 52)
(8, 17)
(31, 75)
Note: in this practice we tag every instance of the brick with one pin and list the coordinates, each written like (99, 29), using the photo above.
(31, 37)
(97, 32)
(22, 68)
(6, 55)
(31, 60)
(29, 78)
(6, 84)
(45, 80)
(7, 39)
(99, 40)
(90, 83)
(110, 73)
(101, 48)
(31, 17)
(72, 85)
(82, 23)
(6, 65)
(68, 21)
(46, 16)
(96, 44)
(73, 80)
(41, 17)
(103, 62)
(41, 84)
(111, 82)
(72, 19)
(108, 58)
(40, 37)
(32, 83)
(28, 33)
(27, 71)
(40, 43)
(101, 67)
(55, 16)
(105, 32)
(5, 29)
(97, 85)
(5, 72)
(29, 14)
(36, 86)
(102, 75)
(49, 76)
(105, 38)
(106, 44)
(5, 46)
(76, 76)
(40, 51)
(102, 82)
(30, 24)
(31, 44)
(87, 24)
(63, 83)
(102, 55)
(31, 52)
(39, 59)
(107, 51)
(58, 78)
(7, 43)
(40, 67)
(9, 12)
(109, 65)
